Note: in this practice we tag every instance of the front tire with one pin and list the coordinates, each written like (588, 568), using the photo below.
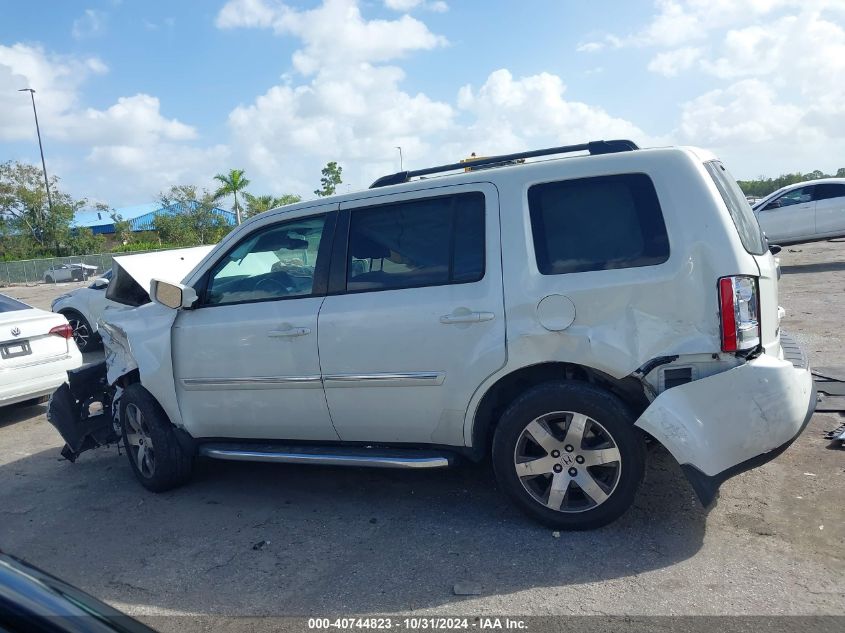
(86, 340)
(48, 279)
(568, 454)
(157, 459)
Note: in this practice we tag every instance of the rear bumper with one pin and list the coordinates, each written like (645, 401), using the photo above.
(725, 424)
(40, 380)
(707, 487)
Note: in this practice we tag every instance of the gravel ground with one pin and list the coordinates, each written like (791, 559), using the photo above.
(367, 541)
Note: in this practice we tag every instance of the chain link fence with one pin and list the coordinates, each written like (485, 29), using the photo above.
(34, 271)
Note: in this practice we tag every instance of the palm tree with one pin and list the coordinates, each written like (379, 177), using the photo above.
(260, 204)
(232, 183)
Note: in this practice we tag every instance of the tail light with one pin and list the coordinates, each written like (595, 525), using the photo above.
(739, 308)
(64, 330)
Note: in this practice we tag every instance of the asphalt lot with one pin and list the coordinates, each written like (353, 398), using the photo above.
(367, 541)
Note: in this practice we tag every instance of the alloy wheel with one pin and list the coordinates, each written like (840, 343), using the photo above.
(138, 441)
(567, 461)
(81, 333)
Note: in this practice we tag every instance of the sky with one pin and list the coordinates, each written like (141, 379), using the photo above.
(135, 96)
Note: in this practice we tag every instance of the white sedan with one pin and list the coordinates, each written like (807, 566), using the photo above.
(36, 351)
(803, 212)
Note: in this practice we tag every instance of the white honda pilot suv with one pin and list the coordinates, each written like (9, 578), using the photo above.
(552, 314)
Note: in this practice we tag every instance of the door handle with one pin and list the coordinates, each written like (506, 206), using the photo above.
(291, 332)
(467, 317)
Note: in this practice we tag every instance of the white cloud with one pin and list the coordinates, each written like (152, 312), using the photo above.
(745, 112)
(56, 79)
(248, 13)
(357, 118)
(511, 114)
(351, 106)
(438, 6)
(131, 143)
(91, 23)
(335, 34)
(671, 63)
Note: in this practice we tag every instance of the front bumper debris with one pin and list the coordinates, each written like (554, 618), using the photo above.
(81, 411)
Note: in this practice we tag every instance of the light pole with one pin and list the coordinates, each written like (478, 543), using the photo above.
(40, 147)
(400, 158)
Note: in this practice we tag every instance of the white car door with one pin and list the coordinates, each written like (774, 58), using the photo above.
(830, 209)
(414, 321)
(245, 359)
(789, 217)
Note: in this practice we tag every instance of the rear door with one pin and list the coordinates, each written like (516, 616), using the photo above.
(790, 217)
(414, 322)
(830, 209)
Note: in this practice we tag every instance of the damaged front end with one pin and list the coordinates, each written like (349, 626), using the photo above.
(83, 411)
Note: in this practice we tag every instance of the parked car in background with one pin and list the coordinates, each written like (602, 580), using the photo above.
(82, 308)
(36, 351)
(804, 212)
(68, 272)
(549, 315)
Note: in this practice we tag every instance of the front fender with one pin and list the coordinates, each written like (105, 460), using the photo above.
(140, 339)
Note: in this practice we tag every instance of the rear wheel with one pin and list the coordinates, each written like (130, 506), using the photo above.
(569, 455)
(156, 457)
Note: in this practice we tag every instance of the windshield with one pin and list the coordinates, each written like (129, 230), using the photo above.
(741, 213)
(7, 304)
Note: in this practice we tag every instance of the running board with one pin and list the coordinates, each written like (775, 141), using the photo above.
(328, 455)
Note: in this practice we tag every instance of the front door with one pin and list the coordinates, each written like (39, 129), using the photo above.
(416, 322)
(790, 217)
(245, 360)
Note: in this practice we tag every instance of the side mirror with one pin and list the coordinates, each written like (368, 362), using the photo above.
(774, 204)
(172, 295)
(99, 283)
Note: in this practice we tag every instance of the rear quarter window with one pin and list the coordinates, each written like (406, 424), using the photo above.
(743, 217)
(599, 223)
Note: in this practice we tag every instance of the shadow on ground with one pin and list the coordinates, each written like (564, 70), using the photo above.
(821, 267)
(291, 540)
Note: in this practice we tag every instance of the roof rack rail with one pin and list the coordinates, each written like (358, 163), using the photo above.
(593, 147)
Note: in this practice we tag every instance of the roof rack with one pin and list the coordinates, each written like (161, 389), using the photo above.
(593, 147)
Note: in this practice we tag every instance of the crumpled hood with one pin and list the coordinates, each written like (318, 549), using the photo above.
(130, 282)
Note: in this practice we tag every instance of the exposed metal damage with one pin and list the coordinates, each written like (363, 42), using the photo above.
(82, 411)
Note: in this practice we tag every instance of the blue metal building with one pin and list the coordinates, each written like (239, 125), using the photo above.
(141, 217)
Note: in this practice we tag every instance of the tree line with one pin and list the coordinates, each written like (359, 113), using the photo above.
(30, 227)
(762, 186)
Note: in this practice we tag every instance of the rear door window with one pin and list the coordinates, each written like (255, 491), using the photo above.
(597, 223)
(425, 242)
(826, 191)
(743, 217)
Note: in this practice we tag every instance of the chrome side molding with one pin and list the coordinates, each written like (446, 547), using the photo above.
(252, 382)
(329, 456)
(407, 379)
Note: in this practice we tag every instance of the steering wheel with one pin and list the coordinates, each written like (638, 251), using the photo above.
(279, 284)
